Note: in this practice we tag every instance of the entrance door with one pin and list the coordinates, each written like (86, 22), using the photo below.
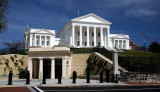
(58, 67)
(47, 68)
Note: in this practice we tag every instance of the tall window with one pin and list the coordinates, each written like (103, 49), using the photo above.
(37, 42)
(85, 43)
(77, 43)
(47, 43)
(98, 34)
(78, 33)
(42, 43)
(85, 33)
(92, 34)
(92, 43)
(99, 44)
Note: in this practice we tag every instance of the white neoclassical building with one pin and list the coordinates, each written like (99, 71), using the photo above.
(83, 32)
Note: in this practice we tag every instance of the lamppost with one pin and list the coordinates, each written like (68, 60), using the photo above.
(145, 46)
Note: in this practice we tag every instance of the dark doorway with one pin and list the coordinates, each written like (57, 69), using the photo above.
(58, 67)
(47, 68)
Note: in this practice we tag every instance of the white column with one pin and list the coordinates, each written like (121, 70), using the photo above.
(127, 44)
(52, 68)
(118, 44)
(122, 45)
(101, 37)
(50, 41)
(30, 66)
(41, 68)
(80, 36)
(26, 42)
(115, 63)
(40, 44)
(35, 40)
(87, 35)
(95, 36)
(70, 35)
(70, 67)
(73, 31)
(105, 40)
(64, 68)
(45, 41)
(113, 42)
(30, 39)
(108, 33)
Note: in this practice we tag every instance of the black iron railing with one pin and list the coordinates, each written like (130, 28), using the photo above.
(12, 51)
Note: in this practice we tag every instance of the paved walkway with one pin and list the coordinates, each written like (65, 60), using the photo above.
(50, 82)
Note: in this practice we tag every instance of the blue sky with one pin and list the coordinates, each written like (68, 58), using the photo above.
(130, 16)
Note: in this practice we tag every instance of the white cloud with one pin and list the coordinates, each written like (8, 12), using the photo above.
(140, 13)
(131, 8)
(16, 27)
(67, 4)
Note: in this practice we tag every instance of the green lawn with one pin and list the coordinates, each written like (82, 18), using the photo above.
(139, 57)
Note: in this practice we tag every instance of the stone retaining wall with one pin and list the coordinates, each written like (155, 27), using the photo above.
(12, 62)
(79, 63)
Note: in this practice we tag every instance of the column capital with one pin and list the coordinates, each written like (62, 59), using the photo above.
(94, 26)
(40, 58)
(108, 27)
(52, 58)
(80, 25)
(73, 25)
(102, 27)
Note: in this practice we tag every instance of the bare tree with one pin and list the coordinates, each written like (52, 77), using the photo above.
(14, 45)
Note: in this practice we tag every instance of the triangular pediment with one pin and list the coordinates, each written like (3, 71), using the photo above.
(121, 36)
(44, 31)
(92, 18)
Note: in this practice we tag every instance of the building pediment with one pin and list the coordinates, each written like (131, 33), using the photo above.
(120, 36)
(42, 31)
(91, 18)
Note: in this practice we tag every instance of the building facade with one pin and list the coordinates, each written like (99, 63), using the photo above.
(86, 31)
(50, 60)
(52, 55)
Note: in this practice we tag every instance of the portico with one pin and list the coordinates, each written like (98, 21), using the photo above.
(49, 60)
(89, 36)
(86, 31)
(120, 41)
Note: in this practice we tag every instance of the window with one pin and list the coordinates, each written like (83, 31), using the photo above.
(85, 43)
(42, 43)
(92, 43)
(37, 42)
(92, 34)
(77, 43)
(78, 33)
(85, 33)
(99, 44)
(47, 43)
(98, 34)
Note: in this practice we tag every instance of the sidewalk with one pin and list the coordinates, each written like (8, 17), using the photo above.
(54, 83)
